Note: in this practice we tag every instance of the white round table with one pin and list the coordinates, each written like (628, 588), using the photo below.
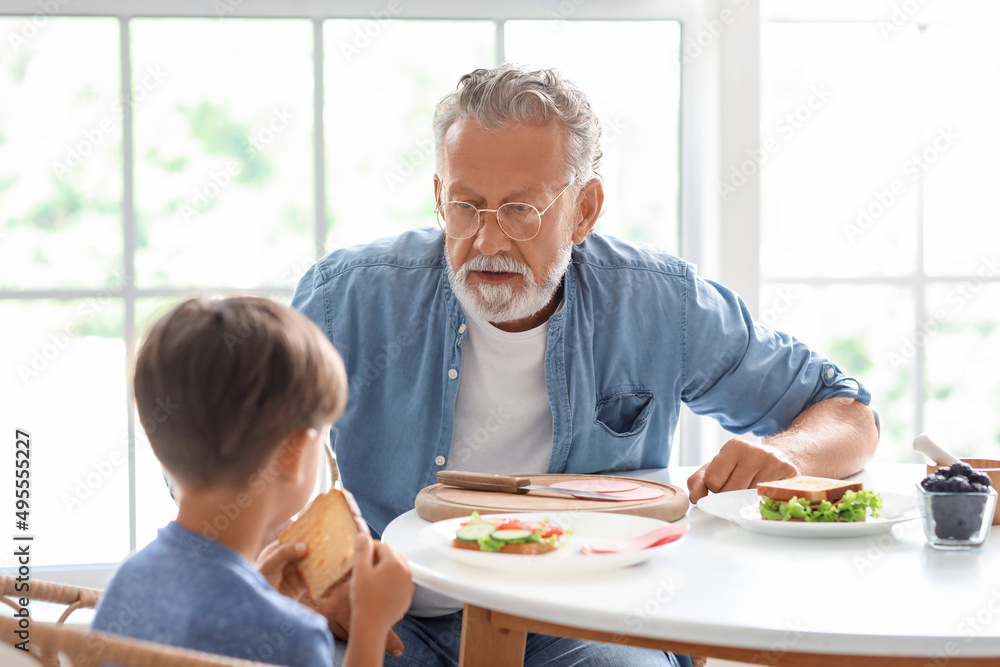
(726, 592)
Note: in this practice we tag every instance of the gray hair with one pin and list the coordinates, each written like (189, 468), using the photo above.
(511, 95)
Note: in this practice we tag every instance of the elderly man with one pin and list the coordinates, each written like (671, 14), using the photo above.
(516, 340)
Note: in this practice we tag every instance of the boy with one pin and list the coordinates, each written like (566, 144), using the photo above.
(257, 386)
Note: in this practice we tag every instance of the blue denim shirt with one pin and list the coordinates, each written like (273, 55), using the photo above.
(639, 332)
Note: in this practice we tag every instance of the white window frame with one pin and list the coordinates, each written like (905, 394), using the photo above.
(892, 14)
(699, 140)
(720, 119)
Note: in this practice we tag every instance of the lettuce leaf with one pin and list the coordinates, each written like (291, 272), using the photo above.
(854, 507)
(489, 544)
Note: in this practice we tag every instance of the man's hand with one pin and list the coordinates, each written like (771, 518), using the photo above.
(740, 464)
(835, 437)
(276, 563)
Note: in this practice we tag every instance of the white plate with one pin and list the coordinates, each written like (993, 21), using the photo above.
(586, 526)
(742, 507)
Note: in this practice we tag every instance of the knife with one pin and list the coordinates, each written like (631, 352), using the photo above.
(480, 481)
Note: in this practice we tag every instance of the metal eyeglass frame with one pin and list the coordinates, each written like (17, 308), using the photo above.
(479, 212)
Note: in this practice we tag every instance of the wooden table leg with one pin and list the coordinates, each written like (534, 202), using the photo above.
(485, 644)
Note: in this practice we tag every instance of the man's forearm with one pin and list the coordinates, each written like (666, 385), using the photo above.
(832, 438)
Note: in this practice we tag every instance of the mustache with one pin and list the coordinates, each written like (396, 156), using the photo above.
(496, 263)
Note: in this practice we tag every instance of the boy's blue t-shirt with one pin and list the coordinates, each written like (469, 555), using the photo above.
(185, 590)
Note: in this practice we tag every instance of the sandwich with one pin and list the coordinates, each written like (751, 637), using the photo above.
(806, 498)
(508, 536)
(330, 528)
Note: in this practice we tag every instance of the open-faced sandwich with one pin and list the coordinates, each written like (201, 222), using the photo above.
(816, 499)
(508, 536)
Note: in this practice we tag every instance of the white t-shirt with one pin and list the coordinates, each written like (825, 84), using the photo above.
(503, 420)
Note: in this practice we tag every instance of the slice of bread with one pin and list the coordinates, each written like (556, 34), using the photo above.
(329, 528)
(813, 489)
(531, 549)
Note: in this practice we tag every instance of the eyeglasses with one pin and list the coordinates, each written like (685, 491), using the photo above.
(520, 221)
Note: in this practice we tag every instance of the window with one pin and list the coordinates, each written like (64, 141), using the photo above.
(182, 155)
(148, 156)
(878, 244)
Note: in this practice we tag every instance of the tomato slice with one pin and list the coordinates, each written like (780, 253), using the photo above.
(542, 530)
(550, 531)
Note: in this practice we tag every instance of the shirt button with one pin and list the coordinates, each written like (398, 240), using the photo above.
(830, 373)
(452, 373)
(440, 460)
(461, 329)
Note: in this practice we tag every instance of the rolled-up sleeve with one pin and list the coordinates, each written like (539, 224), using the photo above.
(746, 376)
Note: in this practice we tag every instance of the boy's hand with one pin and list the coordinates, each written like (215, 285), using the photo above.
(380, 592)
(276, 563)
(336, 607)
(382, 587)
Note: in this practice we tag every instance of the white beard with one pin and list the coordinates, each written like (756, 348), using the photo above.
(502, 303)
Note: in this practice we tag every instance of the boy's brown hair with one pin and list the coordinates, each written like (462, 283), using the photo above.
(240, 374)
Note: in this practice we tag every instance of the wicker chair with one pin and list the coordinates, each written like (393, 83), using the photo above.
(74, 597)
(89, 648)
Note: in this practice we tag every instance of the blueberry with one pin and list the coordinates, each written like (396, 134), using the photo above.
(944, 472)
(934, 483)
(957, 517)
(961, 468)
(959, 484)
(979, 478)
(980, 488)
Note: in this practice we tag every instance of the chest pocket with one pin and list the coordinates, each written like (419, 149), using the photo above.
(624, 412)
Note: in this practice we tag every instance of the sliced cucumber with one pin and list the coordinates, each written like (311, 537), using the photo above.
(473, 532)
(511, 535)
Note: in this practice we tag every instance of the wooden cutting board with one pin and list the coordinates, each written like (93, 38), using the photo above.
(439, 502)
